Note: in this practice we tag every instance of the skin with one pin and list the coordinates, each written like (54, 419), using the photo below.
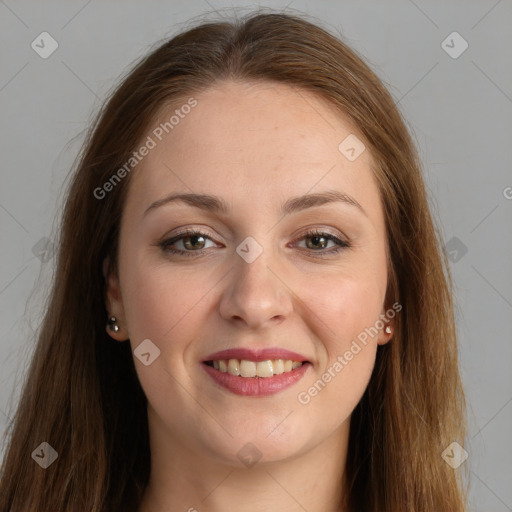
(255, 145)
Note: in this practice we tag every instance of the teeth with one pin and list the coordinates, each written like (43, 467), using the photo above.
(234, 367)
(278, 366)
(245, 368)
(264, 369)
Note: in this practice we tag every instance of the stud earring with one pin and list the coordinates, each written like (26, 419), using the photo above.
(112, 324)
(388, 329)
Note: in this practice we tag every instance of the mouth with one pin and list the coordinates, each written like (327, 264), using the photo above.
(255, 373)
(255, 369)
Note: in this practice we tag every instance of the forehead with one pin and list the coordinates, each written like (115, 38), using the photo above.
(252, 143)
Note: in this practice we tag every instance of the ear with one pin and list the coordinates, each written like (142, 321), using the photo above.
(389, 324)
(114, 302)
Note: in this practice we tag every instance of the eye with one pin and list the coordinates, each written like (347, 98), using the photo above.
(191, 241)
(194, 242)
(317, 241)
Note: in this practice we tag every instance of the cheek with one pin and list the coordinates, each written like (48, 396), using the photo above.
(347, 313)
(345, 305)
(159, 301)
(167, 307)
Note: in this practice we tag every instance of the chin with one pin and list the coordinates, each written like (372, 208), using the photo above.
(260, 443)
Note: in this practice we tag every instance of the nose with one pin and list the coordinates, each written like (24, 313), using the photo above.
(256, 295)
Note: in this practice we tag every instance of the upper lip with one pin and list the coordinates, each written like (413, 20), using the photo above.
(256, 355)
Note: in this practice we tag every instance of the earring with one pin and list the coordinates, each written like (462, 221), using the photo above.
(112, 324)
(388, 329)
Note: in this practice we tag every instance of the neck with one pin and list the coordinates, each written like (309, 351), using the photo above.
(182, 479)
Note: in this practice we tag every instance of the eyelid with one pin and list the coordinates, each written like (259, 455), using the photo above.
(341, 242)
(321, 230)
(322, 253)
(307, 230)
(184, 233)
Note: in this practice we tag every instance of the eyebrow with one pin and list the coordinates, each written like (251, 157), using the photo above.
(218, 205)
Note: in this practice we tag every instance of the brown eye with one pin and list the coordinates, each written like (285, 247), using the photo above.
(186, 243)
(317, 242)
(193, 242)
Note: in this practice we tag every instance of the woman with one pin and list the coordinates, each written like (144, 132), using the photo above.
(251, 306)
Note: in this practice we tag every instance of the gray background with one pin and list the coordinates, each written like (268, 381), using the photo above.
(459, 111)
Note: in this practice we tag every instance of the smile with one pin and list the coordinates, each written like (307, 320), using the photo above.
(255, 378)
(245, 368)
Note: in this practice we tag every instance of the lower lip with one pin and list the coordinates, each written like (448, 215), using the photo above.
(256, 386)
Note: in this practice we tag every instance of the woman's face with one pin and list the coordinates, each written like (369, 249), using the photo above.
(252, 278)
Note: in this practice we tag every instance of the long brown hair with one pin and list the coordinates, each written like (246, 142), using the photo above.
(82, 395)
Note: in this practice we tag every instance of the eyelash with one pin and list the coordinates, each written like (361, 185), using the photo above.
(166, 245)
